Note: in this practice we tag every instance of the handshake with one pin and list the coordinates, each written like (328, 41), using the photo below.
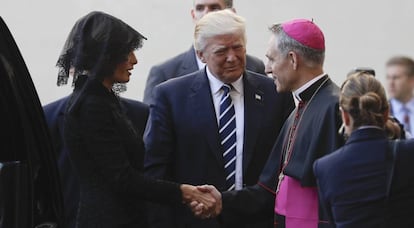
(204, 201)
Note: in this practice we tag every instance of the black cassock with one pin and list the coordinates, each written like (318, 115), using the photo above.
(316, 136)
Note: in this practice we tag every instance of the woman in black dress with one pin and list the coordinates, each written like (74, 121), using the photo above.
(104, 147)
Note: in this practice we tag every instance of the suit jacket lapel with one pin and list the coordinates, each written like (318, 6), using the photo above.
(201, 100)
(253, 110)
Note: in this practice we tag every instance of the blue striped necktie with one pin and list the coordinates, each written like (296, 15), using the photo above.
(227, 131)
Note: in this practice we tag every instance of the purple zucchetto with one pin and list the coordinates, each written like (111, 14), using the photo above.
(305, 32)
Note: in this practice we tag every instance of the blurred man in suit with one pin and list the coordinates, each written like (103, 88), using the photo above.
(400, 87)
(188, 62)
(216, 125)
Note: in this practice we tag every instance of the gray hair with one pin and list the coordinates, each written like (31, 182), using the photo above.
(286, 44)
(218, 23)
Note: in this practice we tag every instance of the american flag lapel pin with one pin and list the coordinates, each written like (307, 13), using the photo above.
(258, 97)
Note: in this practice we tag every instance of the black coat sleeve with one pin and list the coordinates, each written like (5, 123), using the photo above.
(105, 148)
(249, 204)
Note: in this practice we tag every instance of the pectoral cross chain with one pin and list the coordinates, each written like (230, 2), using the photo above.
(281, 176)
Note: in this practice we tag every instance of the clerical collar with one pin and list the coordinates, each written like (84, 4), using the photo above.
(305, 92)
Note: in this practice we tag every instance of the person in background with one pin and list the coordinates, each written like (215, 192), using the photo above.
(216, 125)
(402, 133)
(400, 88)
(188, 62)
(353, 180)
(103, 144)
(54, 113)
(367, 70)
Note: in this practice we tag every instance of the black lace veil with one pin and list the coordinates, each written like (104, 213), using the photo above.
(95, 45)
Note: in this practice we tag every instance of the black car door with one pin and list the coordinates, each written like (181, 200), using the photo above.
(30, 194)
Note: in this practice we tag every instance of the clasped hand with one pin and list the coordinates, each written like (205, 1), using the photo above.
(204, 200)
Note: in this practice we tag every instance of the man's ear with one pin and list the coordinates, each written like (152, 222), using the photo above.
(201, 56)
(411, 81)
(293, 58)
(193, 15)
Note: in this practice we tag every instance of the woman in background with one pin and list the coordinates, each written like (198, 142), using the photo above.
(103, 144)
(353, 180)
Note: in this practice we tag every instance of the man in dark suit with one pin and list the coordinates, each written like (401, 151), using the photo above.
(54, 114)
(194, 118)
(188, 62)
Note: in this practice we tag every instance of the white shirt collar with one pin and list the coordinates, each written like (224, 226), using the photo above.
(398, 106)
(216, 84)
(369, 126)
(305, 86)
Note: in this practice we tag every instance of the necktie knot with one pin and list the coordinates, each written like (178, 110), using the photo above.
(226, 88)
